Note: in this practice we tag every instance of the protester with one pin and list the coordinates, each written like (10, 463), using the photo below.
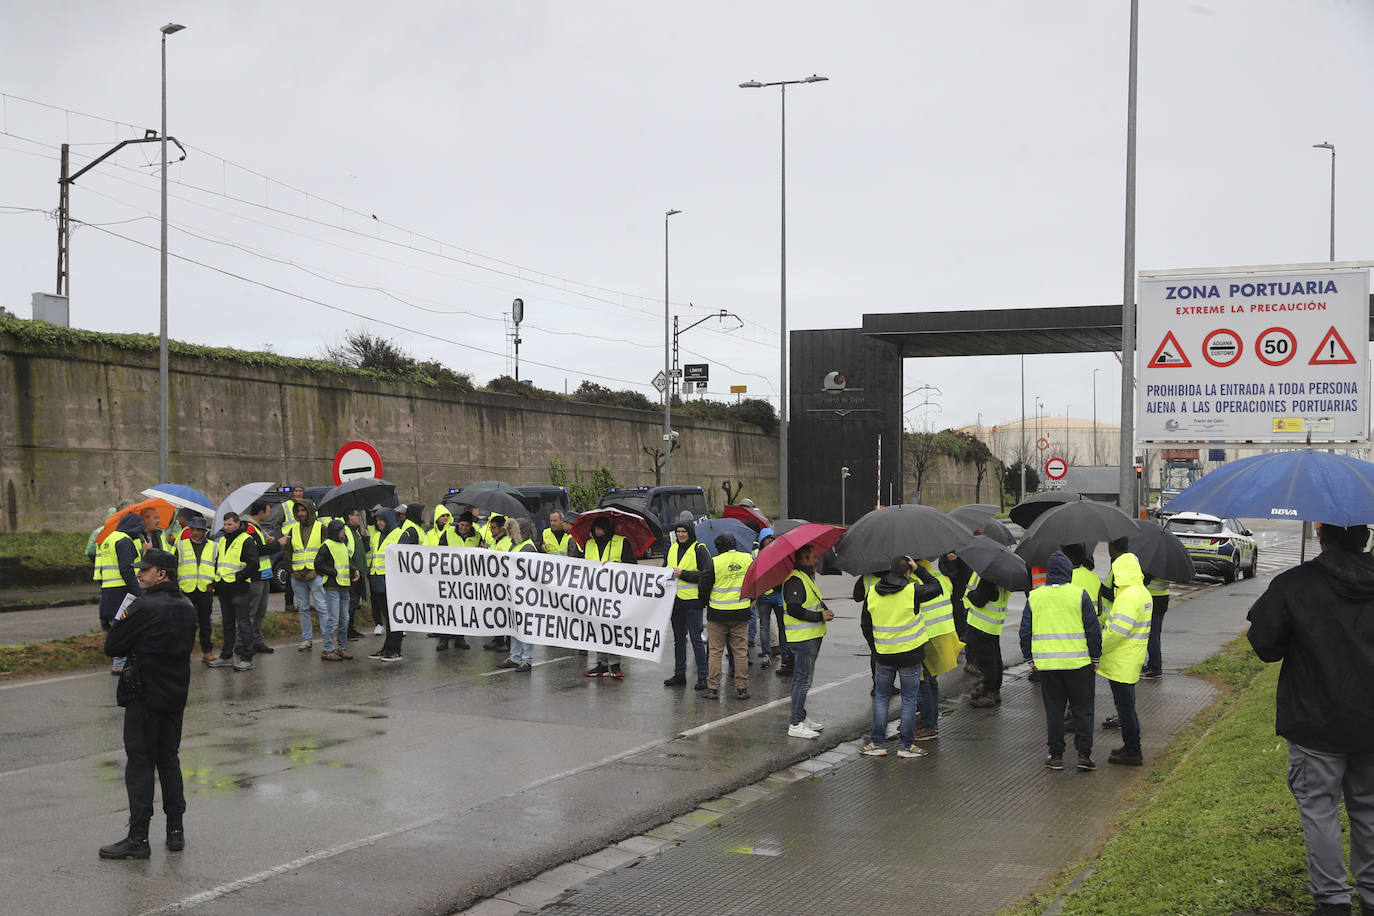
(196, 577)
(899, 638)
(443, 524)
(691, 563)
(1059, 631)
(862, 585)
(985, 611)
(302, 539)
(156, 634)
(269, 548)
(1154, 656)
(942, 653)
(521, 652)
(388, 532)
(461, 534)
(727, 616)
(1125, 634)
(768, 608)
(497, 539)
(1316, 619)
(804, 619)
(236, 564)
(357, 537)
(605, 546)
(557, 539)
(333, 565)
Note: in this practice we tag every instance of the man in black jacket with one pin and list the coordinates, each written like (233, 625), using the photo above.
(692, 561)
(236, 564)
(157, 633)
(1318, 619)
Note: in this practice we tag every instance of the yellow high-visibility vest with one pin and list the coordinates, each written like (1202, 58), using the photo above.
(552, 545)
(897, 625)
(195, 574)
(615, 549)
(799, 630)
(685, 558)
(1057, 639)
(990, 617)
(730, 569)
(107, 561)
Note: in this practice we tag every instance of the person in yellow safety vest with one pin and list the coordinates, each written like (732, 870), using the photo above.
(727, 615)
(443, 531)
(302, 539)
(114, 567)
(289, 506)
(691, 563)
(236, 565)
(768, 610)
(497, 539)
(521, 656)
(196, 575)
(557, 539)
(939, 619)
(986, 603)
(333, 563)
(804, 618)
(1154, 656)
(899, 639)
(261, 589)
(1125, 638)
(415, 520)
(1059, 630)
(605, 546)
(862, 585)
(466, 533)
(388, 532)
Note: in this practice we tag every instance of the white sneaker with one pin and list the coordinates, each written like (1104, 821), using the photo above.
(873, 750)
(814, 725)
(801, 731)
(379, 630)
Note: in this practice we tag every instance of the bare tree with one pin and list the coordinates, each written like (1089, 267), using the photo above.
(658, 458)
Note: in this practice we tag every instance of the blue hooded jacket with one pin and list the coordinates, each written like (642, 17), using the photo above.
(126, 551)
(1059, 571)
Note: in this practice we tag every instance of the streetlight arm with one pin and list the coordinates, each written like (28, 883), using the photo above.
(721, 314)
(119, 146)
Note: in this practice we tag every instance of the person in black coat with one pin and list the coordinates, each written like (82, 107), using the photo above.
(156, 634)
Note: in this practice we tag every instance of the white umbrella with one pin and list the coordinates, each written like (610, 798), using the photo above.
(240, 500)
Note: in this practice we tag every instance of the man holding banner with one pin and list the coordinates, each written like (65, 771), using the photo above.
(727, 616)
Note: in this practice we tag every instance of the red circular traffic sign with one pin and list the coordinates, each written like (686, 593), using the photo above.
(1056, 468)
(357, 460)
(1276, 346)
(1222, 347)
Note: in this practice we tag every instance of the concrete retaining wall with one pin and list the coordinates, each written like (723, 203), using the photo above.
(78, 432)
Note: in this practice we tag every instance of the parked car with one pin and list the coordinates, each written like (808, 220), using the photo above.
(1219, 546)
(544, 499)
(662, 503)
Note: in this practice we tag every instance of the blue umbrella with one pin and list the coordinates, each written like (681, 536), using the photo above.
(1312, 486)
(707, 531)
(182, 497)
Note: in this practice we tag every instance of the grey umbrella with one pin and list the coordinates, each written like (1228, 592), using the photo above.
(1161, 553)
(239, 501)
(1080, 522)
(1028, 510)
(994, 562)
(975, 518)
(497, 501)
(783, 525)
(893, 531)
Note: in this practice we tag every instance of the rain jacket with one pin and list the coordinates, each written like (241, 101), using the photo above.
(157, 633)
(294, 528)
(435, 535)
(324, 557)
(243, 580)
(1126, 627)
(704, 575)
(389, 521)
(928, 589)
(1318, 619)
(414, 512)
(1060, 572)
(127, 550)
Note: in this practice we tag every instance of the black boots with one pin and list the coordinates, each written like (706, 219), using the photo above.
(176, 834)
(133, 846)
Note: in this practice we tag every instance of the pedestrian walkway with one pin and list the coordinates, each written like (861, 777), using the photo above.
(972, 828)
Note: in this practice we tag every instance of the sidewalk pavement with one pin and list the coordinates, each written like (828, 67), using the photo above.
(27, 599)
(973, 828)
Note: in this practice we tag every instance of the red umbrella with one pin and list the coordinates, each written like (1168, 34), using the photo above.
(633, 528)
(751, 517)
(775, 562)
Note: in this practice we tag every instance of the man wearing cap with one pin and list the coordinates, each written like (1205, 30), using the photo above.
(196, 576)
(156, 634)
(1318, 619)
(236, 563)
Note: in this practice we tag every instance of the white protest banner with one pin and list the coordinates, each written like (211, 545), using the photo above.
(1253, 355)
(535, 597)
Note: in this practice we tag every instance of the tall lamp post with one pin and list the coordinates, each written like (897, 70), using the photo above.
(163, 472)
(782, 359)
(667, 371)
(1095, 371)
(1332, 147)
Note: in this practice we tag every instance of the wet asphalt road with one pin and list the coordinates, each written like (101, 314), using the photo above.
(364, 787)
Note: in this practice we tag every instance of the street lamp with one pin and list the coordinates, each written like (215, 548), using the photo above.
(163, 471)
(782, 359)
(844, 475)
(1332, 147)
(667, 375)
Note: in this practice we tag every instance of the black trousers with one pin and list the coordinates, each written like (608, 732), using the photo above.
(1073, 687)
(204, 604)
(237, 619)
(152, 742)
(985, 651)
(393, 640)
(866, 628)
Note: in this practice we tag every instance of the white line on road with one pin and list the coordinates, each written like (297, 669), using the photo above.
(54, 680)
(547, 661)
(781, 701)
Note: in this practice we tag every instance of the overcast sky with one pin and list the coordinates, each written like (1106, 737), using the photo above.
(961, 156)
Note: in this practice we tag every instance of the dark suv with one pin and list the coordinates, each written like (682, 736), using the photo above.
(662, 503)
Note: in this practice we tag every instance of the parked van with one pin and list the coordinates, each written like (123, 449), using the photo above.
(544, 499)
(662, 503)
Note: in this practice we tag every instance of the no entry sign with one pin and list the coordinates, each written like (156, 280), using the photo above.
(1056, 468)
(356, 460)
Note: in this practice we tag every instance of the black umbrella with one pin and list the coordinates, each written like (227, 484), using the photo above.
(1080, 522)
(974, 518)
(894, 531)
(655, 525)
(1027, 511)
(995, 563)
(784, 525)
(1161, 553)
(492, 501)
(362, 494)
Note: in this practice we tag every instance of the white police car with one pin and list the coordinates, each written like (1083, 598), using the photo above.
(1219, 546)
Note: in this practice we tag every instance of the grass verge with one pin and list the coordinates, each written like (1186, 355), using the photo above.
(88, 651)
(1213, 830)
(45, 558)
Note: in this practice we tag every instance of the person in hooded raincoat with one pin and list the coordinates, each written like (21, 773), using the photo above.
(302, 539)
(692, 564)
(388, 531)
(1125, 638)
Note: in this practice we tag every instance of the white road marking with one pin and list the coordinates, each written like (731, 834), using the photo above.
(54, 680)
(780, 701)
(547, 661)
